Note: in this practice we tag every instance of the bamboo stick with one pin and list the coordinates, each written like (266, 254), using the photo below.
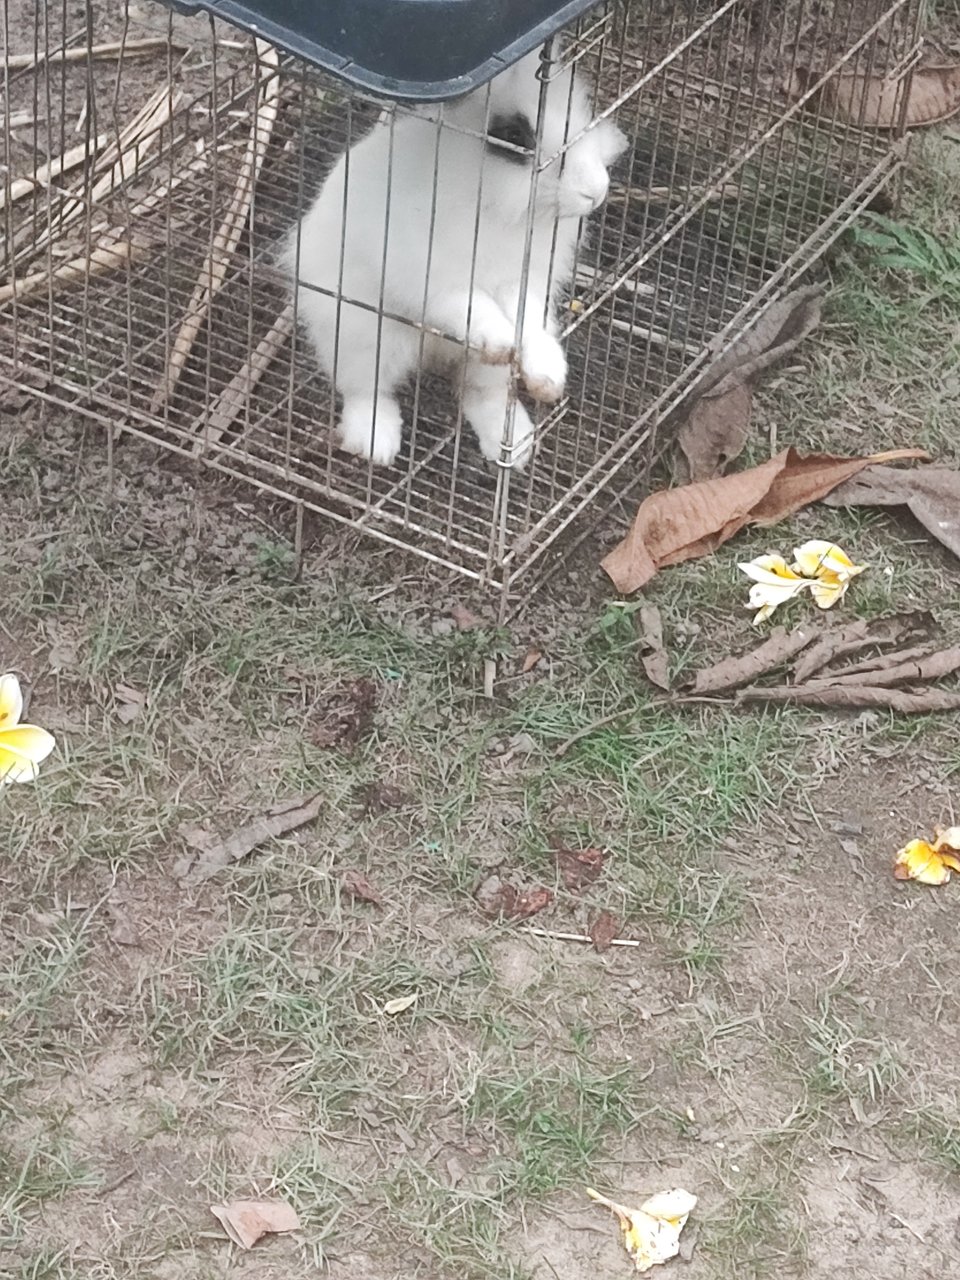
(55, 168)
(230, 402)
(102, 258)
(128, 49)
(225, 241)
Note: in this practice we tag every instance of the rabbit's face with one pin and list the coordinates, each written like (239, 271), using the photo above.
(575, 158)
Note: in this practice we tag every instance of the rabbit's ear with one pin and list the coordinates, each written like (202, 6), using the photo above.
(516, 132)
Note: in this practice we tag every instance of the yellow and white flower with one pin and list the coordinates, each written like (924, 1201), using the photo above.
(820, 567)
(830, 568)
(929, 863)
(651, 1234)
(23, 747)
(774, 582)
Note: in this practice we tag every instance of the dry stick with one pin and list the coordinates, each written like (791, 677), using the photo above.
(123, 157)
(111, 249)
(62, 164)
(128, 48)
(578, 937)
(214, 269)
(231, 400)
(103, 258)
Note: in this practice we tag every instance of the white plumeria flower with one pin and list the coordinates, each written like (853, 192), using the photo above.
(23, 747)
(774, 582)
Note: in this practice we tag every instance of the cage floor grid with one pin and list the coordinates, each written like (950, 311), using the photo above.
(671, 271)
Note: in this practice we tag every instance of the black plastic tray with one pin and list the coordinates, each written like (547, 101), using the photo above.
(419, 50)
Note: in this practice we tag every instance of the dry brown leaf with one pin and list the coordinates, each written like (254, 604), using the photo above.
(876, 102)
(344, 715)
(578, 867)
(856, 696)
(717, 427)
(245, 1221)
(716, 430)
(839, 642)
(603, 929)
(217, 854)
(731, 673)
(465, 619)
(378, 797)
(356, 884)
(931, 494)
(879, 662)
(680, 524)
(530, 660)
(653, 656)
(931, 666)
(498, 897)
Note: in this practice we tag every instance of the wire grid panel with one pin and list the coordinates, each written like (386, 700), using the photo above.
(144, 282)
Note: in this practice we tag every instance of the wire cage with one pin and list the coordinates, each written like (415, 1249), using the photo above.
(158, 182)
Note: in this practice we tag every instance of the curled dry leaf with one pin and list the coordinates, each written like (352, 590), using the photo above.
(356, 885)
(719, 421)
(215, 854)
(731, 673)
(578, 867)
(877, 102)
(651, 1234)
(930, 494)
(604, 928)
(856, 697)
(834, 643)
(680, 524)
(245, 1221)
(530, 659)
(929, 863)
(653, 656)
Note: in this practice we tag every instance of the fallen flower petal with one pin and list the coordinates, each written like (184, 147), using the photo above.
(925, 863)
(947, 838)
(651, 1234)
(818, 558)
(400, 1003)
(774, 583)
(23, 747)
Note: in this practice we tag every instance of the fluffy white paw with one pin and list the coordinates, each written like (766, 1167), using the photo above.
(491, 441)
(544, 367)
(379, 441)
(492, 337)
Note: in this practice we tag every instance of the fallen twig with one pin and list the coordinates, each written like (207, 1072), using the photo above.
(112, 248)
(577, 937)
(231, 400)
(127, 48)
(43, 176)
(214, 269)
(122, 158)
(103, 258)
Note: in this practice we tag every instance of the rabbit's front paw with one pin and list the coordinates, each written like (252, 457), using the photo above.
(492, 335)
(544, 367)
(378, 440)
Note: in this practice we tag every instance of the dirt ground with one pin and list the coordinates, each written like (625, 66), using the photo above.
(782, 1040)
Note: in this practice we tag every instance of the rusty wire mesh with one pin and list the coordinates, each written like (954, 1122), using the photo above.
(745, 162)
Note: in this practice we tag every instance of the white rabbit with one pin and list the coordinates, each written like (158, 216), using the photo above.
(376, 234)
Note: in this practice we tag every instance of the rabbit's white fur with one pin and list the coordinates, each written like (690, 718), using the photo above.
(421, 255)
